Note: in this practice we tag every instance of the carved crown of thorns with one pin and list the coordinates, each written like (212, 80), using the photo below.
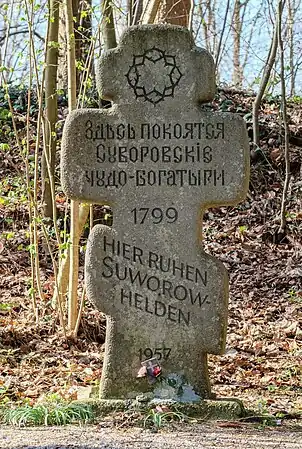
(153, 94)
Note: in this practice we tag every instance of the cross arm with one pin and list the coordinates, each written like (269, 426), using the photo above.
(85, 135)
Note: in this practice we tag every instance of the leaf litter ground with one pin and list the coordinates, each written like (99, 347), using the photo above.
(262, 364)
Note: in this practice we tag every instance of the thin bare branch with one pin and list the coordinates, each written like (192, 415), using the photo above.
(221, 34)
(285, 121)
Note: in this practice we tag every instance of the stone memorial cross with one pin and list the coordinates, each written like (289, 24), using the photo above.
(159, 160)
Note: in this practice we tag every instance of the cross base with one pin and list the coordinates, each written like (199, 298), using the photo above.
(119, 381)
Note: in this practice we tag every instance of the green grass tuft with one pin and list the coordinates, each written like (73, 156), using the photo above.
(158, 419)
(54, 413)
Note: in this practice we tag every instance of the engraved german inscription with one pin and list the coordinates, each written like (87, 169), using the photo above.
(160, 309)
(152, 260)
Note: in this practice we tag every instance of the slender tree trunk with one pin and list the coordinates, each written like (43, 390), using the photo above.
(137, 11)
(85, 39)
(203, 13)
(237, 40)
(249, 39)
(174, 12)
(208, 12)
(191, 15)
(82, 35)
(265, 77)
(214, 27)
(129, 12)
(290, 9)
(210, 24)
(150, 9)
(51, 111)
(74, 205)
(285, 121)
(76, 12)
(63, 275)
(108, 27)
(217, 56)
(62, 58)
(68, 269)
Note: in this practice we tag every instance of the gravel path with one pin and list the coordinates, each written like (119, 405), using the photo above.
(204, 436)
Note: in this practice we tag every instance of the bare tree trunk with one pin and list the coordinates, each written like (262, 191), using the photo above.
(249, 40)
(285, 121)
(63, 275)
(208, 16)
(210, 24)
(265, 77)
(217, 56)
(85, 39)
(237, 26)
(150, 11)
(203, 13)
(191, 16)
(51, 111)
(130, 7)
(108, 27)
(74, 225)
(290, 9)
(137, 11)
(82, 35)
(62, 60)
(176, 12)
(215, 34)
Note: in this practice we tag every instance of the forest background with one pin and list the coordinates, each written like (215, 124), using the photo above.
(50, 336)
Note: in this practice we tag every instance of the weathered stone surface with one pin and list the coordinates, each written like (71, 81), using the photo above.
(158, 160)
(205, 409)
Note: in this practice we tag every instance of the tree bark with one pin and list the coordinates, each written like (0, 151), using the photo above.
(290, 9)
(150, 11)
(74, 205)
(51, 111)
(237, 26)
(82, 39)
(137, 11)
(176, 12)
(217, 55)
(265, 77)
(285, 122)
(108, 26)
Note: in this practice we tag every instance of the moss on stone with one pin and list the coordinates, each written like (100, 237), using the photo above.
(206, 409)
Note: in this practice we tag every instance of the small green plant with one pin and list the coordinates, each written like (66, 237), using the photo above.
(5, 307)
(3, 396)
(52, 412)
(242, 229)
(294, 295)
(158, 418)
(296, 99)
(269, 421)
(266, 419)
(262, 406)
